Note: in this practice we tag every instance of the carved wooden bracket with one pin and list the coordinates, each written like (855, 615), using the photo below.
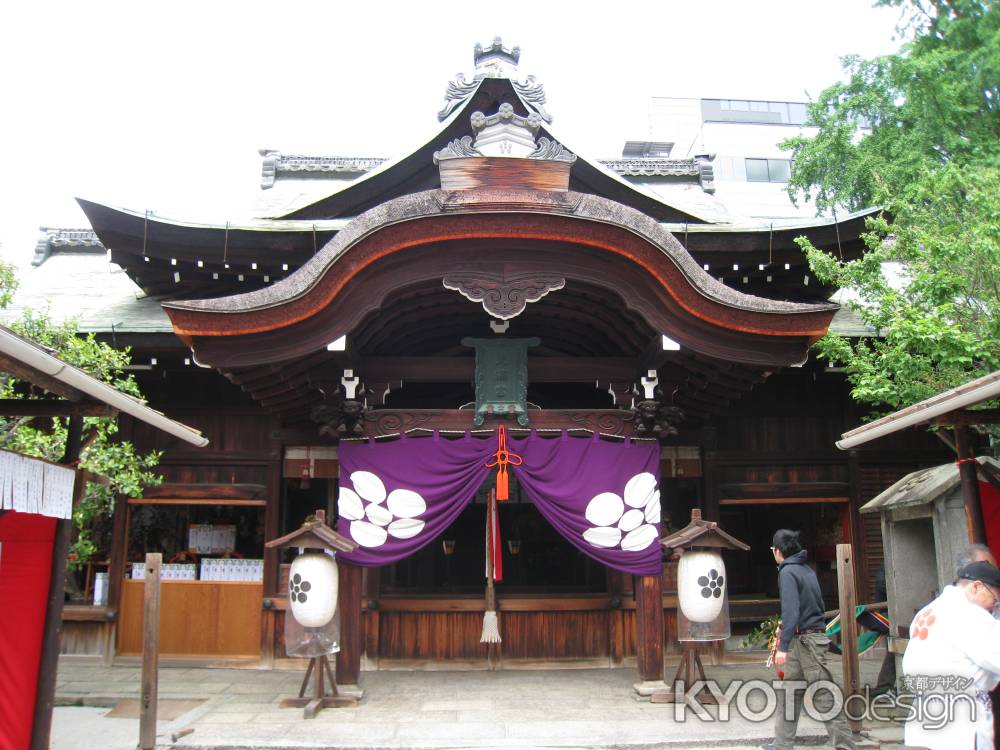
(622, 393)
(503, 296)
(337, 416)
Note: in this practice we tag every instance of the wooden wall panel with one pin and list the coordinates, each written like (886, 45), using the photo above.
(874, 479)
(197, 618)
(628, 633)
(235, 433)
(555, 635)
(431, 635)
(84, 638)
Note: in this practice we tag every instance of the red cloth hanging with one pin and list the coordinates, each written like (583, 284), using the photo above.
(25, 567)
(501, 459)
(989, 500)
(496, 543)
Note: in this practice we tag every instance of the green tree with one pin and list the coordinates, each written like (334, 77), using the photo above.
(930, 158)
(124, 471)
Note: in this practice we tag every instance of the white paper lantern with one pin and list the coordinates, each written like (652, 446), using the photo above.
(312, 589)
(701, 580)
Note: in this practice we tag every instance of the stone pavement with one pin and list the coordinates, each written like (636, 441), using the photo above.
(591, 708)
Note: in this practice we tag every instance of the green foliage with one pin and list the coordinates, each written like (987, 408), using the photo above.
(932, 161)
(8, 284)
(762, 633)
(124, 471)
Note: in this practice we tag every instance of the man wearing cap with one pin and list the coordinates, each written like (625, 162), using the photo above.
(952, 662)
(802, 645)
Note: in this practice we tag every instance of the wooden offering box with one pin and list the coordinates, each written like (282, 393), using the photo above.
(201, 619)
(198, 618)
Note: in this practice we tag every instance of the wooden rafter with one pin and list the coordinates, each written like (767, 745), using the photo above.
(15, 407)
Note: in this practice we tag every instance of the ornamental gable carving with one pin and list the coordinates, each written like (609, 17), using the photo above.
(503, 296)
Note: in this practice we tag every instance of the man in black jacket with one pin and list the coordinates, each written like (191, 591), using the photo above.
(802, 645)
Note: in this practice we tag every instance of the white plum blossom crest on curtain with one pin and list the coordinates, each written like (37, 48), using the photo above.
(628, 521)
(374, 515)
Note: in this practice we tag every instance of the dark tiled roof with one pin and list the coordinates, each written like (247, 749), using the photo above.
(275, 163)
(71, 239)
(653, 167)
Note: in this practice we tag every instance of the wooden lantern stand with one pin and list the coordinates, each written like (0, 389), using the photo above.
(697, 534)
(319, 666)
(315, 534)
(689, 671)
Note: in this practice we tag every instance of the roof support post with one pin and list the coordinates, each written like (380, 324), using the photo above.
(970, 486)
(649, 632)
(351, 627)
(48, 665)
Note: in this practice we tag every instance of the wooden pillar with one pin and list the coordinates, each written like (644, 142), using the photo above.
(974, 524)
(119, 544)
(616, 617)
(149, 686)
(271, 518)
(710, 468)
(351, 637)
(268, 619)
(649, 627)
(48, 664)
(272, 560)
(862, 573)
(848, 628)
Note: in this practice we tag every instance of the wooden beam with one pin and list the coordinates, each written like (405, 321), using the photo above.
(199, 490)
(781, 500)
(30, 375)
(379, 422)
(750, 490)
(968, 417)
(462, 369)
(36, 407)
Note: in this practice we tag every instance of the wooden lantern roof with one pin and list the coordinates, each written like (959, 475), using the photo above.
(314, 534)
(700, 533)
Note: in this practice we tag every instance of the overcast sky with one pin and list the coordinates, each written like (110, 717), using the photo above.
(163, 105)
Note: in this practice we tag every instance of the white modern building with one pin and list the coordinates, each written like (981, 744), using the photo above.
(738, 139)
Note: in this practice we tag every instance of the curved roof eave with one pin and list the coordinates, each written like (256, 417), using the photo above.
(296, 311)
(157, 236)
(431, 203)
(784, 225)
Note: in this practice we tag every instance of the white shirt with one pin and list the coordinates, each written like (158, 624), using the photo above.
(953, 657)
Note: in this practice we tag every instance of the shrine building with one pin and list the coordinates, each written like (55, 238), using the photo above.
(358, 346)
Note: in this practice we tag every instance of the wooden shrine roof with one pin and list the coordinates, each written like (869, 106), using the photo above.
(184, 260)
(78, 392)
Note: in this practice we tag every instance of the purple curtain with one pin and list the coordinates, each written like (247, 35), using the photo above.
(397, 496)
(603, 497)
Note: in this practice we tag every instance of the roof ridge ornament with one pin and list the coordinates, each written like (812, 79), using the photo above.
(505, 134)
(457, 149)
(495, 61)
